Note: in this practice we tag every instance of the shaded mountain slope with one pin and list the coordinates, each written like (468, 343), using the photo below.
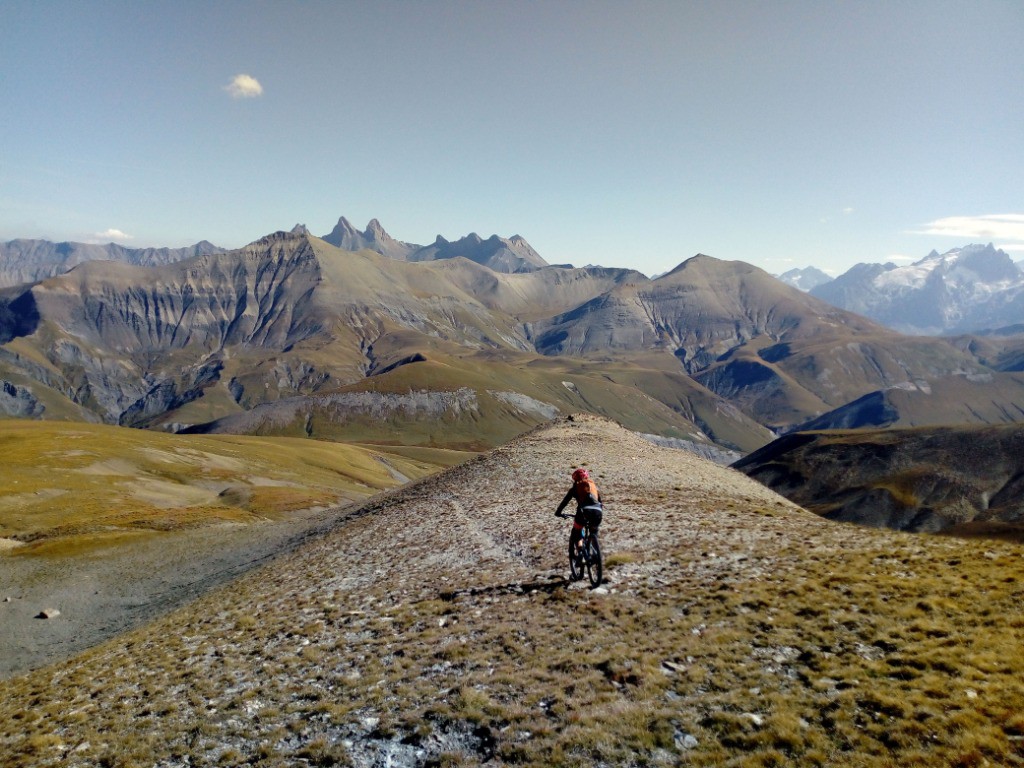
(442, 397)
(699, 311)
(928, 479)
(436, 627)
(994, 398)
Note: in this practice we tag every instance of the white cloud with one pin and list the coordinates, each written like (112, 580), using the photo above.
(848, 211)
(244, 87)
(899, 257)
(111, 235)
(994, 227)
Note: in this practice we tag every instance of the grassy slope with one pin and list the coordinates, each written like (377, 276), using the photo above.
(65, 486)
(637, 394)
(738, 630)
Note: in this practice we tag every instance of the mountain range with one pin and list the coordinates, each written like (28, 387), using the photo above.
(510, 255)
(28, 261)
(293, 335)
(964, 290)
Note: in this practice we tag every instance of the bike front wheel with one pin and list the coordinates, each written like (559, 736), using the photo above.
(576, 566)
(595, 567)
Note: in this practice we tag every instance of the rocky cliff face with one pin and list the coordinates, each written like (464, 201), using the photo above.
(132, 342)
(374, 238)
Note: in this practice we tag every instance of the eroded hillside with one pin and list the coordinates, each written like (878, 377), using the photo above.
(714, 351)
(436, 627)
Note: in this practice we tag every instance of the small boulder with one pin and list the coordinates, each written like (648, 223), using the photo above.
(48, 613)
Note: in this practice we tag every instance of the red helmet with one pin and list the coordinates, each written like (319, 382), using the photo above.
(580, 474)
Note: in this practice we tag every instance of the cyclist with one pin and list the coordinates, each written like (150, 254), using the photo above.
(589, 507)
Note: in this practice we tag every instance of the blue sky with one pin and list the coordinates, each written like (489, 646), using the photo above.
(616, 133)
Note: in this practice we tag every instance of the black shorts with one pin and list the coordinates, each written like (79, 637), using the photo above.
(589, 516)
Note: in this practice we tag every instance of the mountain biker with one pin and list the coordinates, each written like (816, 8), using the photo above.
(589, 508)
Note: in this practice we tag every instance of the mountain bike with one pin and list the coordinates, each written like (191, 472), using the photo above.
(587, 557)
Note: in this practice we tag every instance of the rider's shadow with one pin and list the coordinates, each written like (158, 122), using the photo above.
(515, 588)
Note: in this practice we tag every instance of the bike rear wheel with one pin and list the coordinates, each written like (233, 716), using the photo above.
(595, 567)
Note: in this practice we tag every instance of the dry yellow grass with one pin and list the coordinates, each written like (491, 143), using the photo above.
(68, 486)
(437, 628)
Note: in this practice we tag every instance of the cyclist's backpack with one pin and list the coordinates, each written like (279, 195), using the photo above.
(587, 493)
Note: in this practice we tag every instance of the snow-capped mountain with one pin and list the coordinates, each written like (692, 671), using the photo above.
(805, 279)
(972, 288)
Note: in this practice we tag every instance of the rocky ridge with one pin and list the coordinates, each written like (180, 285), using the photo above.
(436, 625)
(507, 255)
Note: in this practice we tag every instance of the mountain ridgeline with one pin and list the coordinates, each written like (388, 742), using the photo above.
(28, 261)
(466, 344)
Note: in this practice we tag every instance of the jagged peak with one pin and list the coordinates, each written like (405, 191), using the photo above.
(300, 229)
(375, 231)
(344, 226)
